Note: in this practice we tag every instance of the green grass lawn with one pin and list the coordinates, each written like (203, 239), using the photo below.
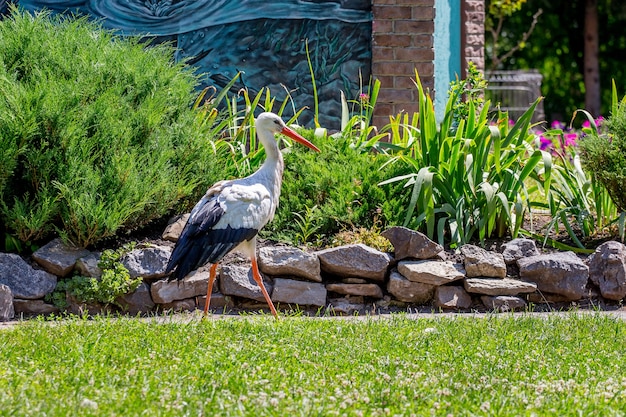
(459, 365)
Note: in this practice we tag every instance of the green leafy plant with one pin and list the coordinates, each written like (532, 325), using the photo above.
(466, 91)
(307, 225)
(356, 121)
(468, 180)
(114, 282)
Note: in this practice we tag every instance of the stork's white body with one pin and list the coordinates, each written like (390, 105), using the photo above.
(231, 213)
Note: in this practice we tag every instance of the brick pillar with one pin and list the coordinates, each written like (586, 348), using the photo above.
(402, 33)
(473, 34)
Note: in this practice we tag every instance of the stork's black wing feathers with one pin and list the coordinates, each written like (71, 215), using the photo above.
(200, 243)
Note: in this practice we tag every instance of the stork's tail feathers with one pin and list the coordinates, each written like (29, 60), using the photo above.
(195, 250)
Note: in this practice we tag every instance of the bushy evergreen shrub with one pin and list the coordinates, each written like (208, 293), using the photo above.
(334, 190)
(97, 134)
(605, 154)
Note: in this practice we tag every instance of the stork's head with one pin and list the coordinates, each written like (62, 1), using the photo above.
(271, 123)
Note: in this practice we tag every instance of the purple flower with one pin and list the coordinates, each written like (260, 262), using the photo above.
(544, 143)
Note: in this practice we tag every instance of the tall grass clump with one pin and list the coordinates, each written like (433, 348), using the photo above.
(469, 174)
(578, 202)
(96, 132)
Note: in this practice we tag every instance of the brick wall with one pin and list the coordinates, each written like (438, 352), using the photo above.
(402, 34)
(473, 33)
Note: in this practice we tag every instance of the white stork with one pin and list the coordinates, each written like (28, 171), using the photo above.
(232, 212)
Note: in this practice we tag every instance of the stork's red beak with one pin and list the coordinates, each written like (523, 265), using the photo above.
(295, 136)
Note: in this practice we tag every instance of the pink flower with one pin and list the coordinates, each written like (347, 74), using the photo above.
(364, 98)
(587, 123)
(570, 139)
(599, 120)
(557, 125)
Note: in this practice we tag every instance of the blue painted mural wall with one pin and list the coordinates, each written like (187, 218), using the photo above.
(447, 44)
(264, 40)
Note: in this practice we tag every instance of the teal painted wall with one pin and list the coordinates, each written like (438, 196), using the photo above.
(447, 44)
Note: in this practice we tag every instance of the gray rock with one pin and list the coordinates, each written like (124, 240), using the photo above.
(366, 290)
(359, 261)
(24, 281)
(517, 249)
(503, 303)
(58, 258)
(482, 263)
(33, 307)
(7, 312)
(139, 301)
(546, 298)
(431, 272)
(289, 261)
(607, 270)
(343, 306)
(561, 273)
(147, 262)
(238, 281)
(408, 291)
(87, 266)
(493, 286)
(188, 304)
(219, 302)
(451, 297)
(409, 243)
(175, 227)
(299, 292)
(165, 291)
(354, 281)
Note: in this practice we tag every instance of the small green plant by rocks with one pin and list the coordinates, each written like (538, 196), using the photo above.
(368, 236)
(114, 282)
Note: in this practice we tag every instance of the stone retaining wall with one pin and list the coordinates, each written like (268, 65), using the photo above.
(343, 280)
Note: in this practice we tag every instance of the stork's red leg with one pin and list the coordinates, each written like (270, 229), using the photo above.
(209, 290)
(259, 280)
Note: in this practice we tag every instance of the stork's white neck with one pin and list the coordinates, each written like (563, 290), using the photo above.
(271, 172)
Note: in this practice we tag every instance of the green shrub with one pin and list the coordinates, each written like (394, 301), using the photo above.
(96, 131)
(605, 154)
(334, 190)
